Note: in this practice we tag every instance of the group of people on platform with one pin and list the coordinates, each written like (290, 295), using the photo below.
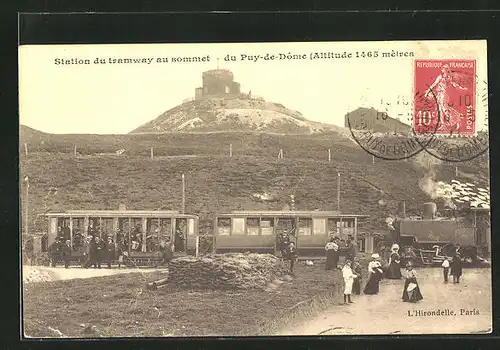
(98, 251)
(352, 272)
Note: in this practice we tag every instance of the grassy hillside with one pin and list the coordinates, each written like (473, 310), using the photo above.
(215, 182)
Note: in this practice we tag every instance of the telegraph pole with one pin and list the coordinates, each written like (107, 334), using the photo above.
(183, 194)
(26, 205)
(338, 192)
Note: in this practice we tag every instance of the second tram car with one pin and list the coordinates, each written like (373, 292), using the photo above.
(260, 231)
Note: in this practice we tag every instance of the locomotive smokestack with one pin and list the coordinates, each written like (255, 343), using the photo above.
(429, 211)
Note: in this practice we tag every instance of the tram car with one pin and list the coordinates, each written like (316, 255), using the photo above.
(143, 234)
(261, 231)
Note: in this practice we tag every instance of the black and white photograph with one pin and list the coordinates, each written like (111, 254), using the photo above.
(254, 189)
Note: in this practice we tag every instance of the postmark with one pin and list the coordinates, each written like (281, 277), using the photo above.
(441, 120)
(389, 138)
(462, 146)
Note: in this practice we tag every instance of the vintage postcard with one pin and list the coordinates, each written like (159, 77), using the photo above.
(319, 188)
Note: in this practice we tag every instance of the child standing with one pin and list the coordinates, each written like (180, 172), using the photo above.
(349, 277)
(446, 269)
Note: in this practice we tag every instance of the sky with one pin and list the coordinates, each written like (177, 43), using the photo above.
(115, 98)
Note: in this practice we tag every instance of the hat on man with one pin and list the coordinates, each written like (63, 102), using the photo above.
(375, 256)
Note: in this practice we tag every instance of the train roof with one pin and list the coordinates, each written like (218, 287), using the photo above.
(287, 213)
(122, 213)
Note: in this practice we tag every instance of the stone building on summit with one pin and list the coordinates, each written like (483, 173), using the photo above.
(218, 83)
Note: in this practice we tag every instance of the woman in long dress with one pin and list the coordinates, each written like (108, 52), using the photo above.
(356, 268)
(411, 290)
(349, 277)
(394, 270)
(374, 275)
(331, 249)
(456, 268)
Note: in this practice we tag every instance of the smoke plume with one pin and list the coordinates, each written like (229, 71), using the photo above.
(428, 184)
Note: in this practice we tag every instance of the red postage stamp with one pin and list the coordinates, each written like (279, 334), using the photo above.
(445, 97)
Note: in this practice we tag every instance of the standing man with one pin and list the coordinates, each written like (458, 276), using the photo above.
(54, 251)
(110, 251)
(99, 251)
(351, 249)
(292, 255)
(456, 268)
(66, 253)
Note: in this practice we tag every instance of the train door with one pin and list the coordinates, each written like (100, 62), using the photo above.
(304, 232)
(180, 236)
(285, 230)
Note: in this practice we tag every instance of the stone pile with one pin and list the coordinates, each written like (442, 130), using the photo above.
(226, 271)
(31, 275)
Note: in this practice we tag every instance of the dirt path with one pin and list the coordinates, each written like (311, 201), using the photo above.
(387, 314)
(45, 274)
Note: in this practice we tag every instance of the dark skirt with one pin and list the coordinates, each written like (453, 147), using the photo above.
(356, 286)
(415, 295)
(394, 271)
(332, 259)
(372, 286)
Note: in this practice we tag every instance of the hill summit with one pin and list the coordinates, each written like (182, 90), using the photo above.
(219, 105)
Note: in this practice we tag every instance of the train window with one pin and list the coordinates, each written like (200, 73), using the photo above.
(53, 226)
(122, 238)
(166, 230)
(152, 235)
(78, 226)
(106, 228)
(224, 226)
(267, 227)
(136, 235)
(191, 228)
(285, 225)
(238, 226)
(319, 226)
(349, 228)
(253, 226)
(180, 235)
(305, 226)
(333, 226)
(94, 228)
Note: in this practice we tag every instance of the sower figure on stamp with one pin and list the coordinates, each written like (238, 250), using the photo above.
(441, 86)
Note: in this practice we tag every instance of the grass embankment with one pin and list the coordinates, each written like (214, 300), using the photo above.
(121, 306)
(216, 183)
